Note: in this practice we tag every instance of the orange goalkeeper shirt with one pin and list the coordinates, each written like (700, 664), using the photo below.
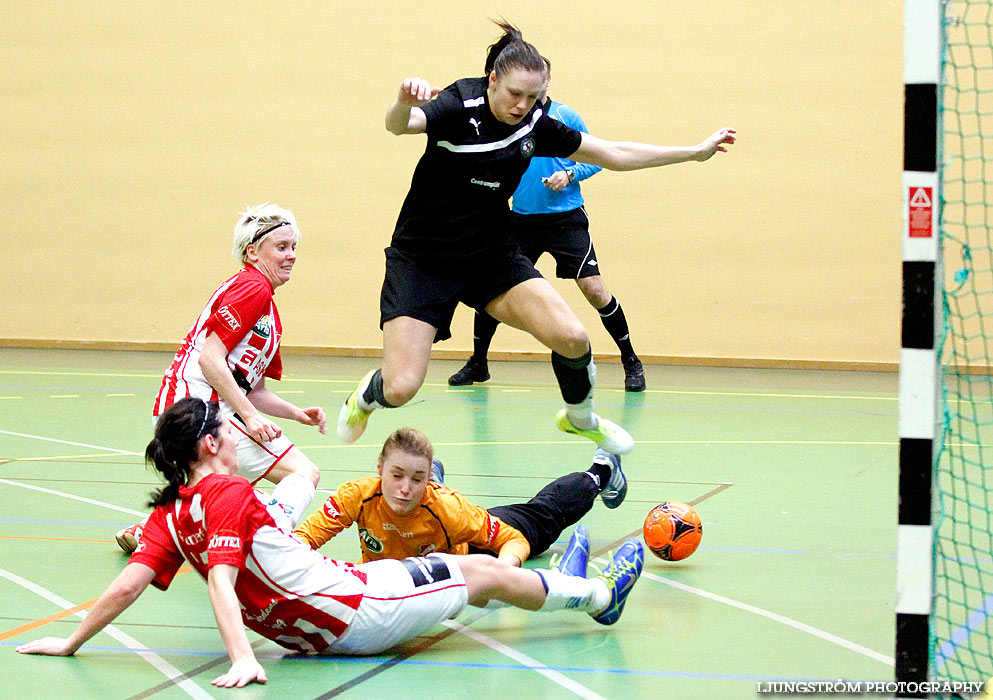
(445, 521)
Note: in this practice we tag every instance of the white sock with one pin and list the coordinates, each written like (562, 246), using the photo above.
(581, 414)
(294, 493)
(587, 594)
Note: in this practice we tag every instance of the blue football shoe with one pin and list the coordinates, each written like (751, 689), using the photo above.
(437, 472)
(620, 577)
(577, 553)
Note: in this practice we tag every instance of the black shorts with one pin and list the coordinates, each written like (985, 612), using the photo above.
(565, 235)
(429, 290)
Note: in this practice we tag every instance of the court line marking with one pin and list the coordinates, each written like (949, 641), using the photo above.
(83, 499)
(41, 622)
(525, 660)
(505, 443)
(385, 665)
(50, 539)
(776, 617)
(153, 659)
(66, 442)
(550, 387)
(54, 458)
(747, 607)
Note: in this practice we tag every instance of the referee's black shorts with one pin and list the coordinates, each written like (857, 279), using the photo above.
(564, 235)
(429, 289)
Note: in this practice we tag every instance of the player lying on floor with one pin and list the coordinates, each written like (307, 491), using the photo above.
(407, 511)
(260, 576)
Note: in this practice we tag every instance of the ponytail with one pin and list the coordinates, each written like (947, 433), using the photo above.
(174, 447)
(511, 51)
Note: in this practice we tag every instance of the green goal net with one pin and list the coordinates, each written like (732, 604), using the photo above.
(962, 613)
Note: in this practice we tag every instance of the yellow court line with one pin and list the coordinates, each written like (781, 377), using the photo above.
(684, 392)
(445, 386)
(78, 374)
(45, 620)
(55, 617)
(45, 459)
(9, 398)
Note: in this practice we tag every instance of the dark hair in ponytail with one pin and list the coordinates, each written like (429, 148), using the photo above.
(511, 51)
(174, 446)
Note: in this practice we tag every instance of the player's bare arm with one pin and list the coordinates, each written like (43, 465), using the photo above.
(629, 155)
(406, 115)
(118, 596)
(272, 404)
(245, 668)
(215, 370)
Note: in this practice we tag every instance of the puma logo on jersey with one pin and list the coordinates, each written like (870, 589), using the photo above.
(224, 542)
(230, 317)
(476, 124)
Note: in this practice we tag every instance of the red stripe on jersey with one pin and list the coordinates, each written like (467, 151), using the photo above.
(253, 348)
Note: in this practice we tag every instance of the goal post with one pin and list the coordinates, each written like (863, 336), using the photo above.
(918, 422)
(944, 611)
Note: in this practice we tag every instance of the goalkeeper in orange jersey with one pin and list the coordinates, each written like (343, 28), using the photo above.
(407, 511)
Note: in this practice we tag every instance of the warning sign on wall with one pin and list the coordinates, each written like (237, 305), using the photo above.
(921, 212)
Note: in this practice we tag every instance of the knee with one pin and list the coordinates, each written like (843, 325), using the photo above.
(309, 470)
(573, 341)
(595, 291)
(401, 388)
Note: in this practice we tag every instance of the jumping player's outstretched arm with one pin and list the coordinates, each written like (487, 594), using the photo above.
(628, 155)
(406, 115)
(245, 668)
(122, 591)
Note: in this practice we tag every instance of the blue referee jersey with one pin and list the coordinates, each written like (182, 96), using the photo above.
(532, 197)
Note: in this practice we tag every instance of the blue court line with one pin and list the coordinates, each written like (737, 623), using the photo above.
(278, 656)
(976, 620)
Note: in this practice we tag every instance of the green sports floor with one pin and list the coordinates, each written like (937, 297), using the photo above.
(794, 475)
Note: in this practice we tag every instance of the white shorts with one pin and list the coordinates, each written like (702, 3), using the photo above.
(255, 459)
(403, 599)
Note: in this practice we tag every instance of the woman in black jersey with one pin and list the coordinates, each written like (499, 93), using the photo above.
(451, 243)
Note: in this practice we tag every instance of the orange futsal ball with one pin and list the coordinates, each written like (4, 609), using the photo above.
(673, 530)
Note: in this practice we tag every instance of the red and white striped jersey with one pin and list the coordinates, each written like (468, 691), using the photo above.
(288, 592)
(242, 313)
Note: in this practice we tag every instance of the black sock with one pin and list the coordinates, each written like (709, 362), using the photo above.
(483, 328)
(602, 473)
(613, 319)
(373, 393)
(573, 376)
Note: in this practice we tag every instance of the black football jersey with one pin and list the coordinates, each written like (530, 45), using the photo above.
(457, 205)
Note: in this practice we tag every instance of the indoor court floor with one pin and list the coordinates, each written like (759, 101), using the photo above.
(794, 474)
